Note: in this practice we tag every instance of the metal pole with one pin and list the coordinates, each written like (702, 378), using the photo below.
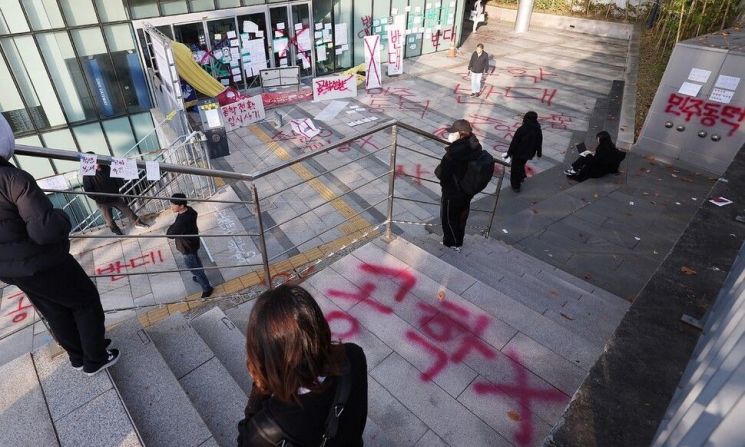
(524, 10)
(262, 238)
(391, 184)
(496, 199)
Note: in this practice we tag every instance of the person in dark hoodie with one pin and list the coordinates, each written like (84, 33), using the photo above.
(35, 257)
(186, 224)
(605, 160)
(455, 204)
(102, 182)
(526, 144)
(477, 67)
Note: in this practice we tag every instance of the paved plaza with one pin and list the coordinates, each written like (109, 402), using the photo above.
(483, 349)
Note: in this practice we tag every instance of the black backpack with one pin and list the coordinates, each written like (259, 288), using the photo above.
(478, 173)
(270, 431)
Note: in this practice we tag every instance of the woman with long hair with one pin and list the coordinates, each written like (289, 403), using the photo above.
(304, 384)
(605, 160)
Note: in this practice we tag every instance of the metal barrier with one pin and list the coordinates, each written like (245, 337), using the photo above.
(190, 170)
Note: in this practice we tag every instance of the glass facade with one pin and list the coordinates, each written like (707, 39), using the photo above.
(74, 70)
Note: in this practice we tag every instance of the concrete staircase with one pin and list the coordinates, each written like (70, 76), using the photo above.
(445, 334)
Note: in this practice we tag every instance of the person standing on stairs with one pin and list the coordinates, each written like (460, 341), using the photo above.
(526, 144)
(477, 67)
(35, 257)
(307, 390)
(455, 204)
(103, 183)
(186, 224)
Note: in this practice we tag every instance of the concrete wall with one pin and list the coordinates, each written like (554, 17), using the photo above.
(709, 406)
(566, 23)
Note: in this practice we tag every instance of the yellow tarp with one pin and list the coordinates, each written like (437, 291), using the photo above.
(193, 73)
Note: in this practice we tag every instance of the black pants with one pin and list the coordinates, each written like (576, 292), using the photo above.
(517, 173)
(69, 300)
(122, 207)
(583, 167)
(453, 215)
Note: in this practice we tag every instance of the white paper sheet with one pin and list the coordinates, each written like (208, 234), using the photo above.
(340, 32)
(152, 170)
(728, 82)
(58, 182)
(87, 164)
(689, 88)
(699, 75)
(320, 53)
(721, 95)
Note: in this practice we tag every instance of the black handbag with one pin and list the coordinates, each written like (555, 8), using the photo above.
(270, 431)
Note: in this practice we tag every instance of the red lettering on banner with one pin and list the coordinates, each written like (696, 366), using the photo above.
(707, 113)
(113, 269)
(331, 85)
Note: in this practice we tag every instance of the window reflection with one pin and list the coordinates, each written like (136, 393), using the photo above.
(43, 14)
(99, 71)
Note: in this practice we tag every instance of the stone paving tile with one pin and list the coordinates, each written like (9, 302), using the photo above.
(399, 425)
(430, 439)
(449, 419)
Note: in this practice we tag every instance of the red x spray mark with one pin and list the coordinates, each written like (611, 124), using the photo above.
(525, 396)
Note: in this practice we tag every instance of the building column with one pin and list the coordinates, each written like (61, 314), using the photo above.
(524, 10)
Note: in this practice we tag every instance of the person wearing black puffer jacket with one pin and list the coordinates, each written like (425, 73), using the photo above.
(455, 204)
(34, 256)
(526, 144)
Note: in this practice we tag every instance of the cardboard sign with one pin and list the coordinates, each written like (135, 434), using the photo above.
(396, 47)
(242, 113)
(305, 128)
(372, 62)
(334, 87)
(88, 164)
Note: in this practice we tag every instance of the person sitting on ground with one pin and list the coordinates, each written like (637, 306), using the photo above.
(102, 182)
(300, 377)
(605, 160)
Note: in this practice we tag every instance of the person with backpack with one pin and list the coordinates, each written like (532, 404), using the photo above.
(526, 144)
(307, 390)
(461, 172)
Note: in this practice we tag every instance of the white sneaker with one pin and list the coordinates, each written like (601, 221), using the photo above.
(457, 249)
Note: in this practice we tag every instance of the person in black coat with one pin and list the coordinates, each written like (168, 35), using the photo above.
(296, 370)
(455, 204)
(526, 143)
(477, 68)
(103, 182)
(35, 257)
(605, 160)
(186, 223)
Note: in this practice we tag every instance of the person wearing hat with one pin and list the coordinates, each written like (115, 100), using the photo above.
(455, 204)
(186, 224)
(35, 257)
(526, 143)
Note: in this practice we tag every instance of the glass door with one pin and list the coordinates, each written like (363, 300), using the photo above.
(303, 31)
(281, 34)
(254, 46)
(226, 57)
(292, 37)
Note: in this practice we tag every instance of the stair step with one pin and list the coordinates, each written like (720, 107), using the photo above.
(239, 315)
(227, 342)
(24, 417)
(85, 410)
(211, 389)
(162, 411)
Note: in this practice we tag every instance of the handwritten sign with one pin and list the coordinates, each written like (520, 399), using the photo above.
(372, 62)
(124, 168)
(242, 113)
(396, 46)
(58, 182)
(334, 87)
(87, 164)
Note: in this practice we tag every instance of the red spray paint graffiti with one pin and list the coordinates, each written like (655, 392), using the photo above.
(398, 98)
(113, 269)
(707, 113)
(418, 173)
(19, 313)
(542, 95)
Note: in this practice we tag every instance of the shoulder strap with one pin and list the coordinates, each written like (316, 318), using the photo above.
(337, 407)
(269, 430)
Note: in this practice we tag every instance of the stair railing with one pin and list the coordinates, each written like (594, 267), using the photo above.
(360, 233)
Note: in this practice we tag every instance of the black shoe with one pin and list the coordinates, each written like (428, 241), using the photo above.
(473, 94)
(116, 230)
(79, 367)
(208, 293)
(141, 224)
(111, 359)
(194, 278)
(516, 189)
(477, 94)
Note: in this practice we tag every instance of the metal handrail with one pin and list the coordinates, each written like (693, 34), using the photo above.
(215, 173)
